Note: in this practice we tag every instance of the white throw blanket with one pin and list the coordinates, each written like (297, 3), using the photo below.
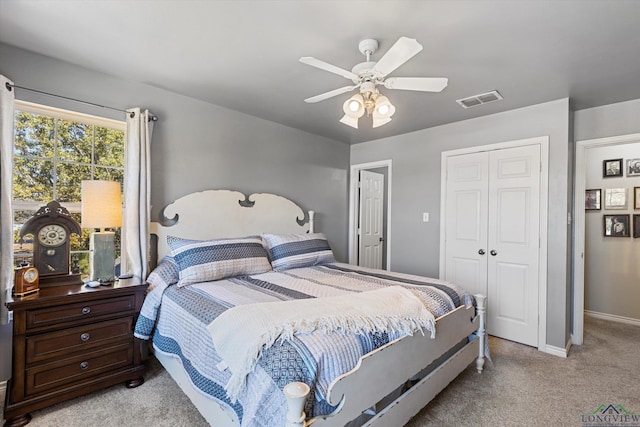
(241, 333)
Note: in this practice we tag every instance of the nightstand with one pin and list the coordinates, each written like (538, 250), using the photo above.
(72, 340)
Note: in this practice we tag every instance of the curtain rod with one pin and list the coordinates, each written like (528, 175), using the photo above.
(131, 114)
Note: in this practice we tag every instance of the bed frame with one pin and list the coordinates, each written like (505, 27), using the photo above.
(223, 213)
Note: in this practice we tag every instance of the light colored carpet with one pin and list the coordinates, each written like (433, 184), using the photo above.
(523, 387)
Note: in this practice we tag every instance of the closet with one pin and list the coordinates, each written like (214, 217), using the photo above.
(491, 244)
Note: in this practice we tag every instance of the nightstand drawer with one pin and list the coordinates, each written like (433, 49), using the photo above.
(48, 376)
(73, 312)
(82, 338)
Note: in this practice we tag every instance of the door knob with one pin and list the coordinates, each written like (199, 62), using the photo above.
(382, 239)
(494, 253)
(481, 251)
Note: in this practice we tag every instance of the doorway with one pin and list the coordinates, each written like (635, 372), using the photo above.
(579, 224)
(370, 243)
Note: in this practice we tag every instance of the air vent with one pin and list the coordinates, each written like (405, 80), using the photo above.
(483, 98)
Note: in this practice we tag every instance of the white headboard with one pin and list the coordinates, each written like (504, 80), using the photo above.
(216, 214)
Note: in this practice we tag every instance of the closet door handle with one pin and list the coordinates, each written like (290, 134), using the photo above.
(481, 251)
(494, 253)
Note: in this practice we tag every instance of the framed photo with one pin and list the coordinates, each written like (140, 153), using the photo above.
(592, 199)
(611, 168)
(636, 225)
(633, 167)
(616, 225)
(615, 198)
(636, 197)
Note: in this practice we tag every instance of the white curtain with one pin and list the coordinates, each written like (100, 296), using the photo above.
(7, 96)
(137, 194)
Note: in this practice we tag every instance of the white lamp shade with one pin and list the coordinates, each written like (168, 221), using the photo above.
(384, 107)
(101, 204)
(350, 121)
(379, 121)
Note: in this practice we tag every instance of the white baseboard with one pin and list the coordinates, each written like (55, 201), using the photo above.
(612, 317)
(556, 351)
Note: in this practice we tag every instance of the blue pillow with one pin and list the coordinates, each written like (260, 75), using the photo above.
(208, 260)
(298, 250)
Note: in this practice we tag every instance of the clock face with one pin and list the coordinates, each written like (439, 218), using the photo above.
(31, 275)
(52, 235)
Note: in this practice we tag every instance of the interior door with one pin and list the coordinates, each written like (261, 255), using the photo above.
(492, 228)
(514, 239)
(371, 239)
(466, 221)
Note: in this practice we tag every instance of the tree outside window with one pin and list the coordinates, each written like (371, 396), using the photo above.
(54, 150)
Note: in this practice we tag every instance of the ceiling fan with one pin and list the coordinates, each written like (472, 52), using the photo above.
(369, 74)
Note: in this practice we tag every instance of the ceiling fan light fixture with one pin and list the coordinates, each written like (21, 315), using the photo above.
(369, 74)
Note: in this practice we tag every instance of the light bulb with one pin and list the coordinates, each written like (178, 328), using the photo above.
(383, 109)
(354, 105)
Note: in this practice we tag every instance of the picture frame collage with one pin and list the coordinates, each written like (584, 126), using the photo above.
(616, 198)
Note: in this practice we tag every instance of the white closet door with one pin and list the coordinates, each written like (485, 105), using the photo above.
(466, 222)
(492, 228)
(514, 239)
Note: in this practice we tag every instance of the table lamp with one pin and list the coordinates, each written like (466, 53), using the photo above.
(101, 208)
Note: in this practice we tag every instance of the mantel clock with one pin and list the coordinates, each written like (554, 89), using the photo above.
(51, 228)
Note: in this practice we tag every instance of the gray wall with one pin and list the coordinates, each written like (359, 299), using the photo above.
(611, 263)
(416, 189)
(199, 146)
(622, 118)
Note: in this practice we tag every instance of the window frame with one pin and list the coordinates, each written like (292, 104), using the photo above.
(68, 115)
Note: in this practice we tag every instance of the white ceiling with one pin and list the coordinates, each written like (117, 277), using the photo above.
(243, 55)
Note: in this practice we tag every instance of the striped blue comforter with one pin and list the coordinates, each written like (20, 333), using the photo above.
(176, 319)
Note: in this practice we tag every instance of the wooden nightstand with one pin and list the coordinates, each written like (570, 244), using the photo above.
(72, 340)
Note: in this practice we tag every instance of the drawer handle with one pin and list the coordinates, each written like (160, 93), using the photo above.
(84, 365)
(86, 310)
(85, 337)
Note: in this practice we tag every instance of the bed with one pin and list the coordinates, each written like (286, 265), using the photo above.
(378, 376)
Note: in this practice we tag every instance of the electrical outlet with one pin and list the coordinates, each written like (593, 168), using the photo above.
(425, 217)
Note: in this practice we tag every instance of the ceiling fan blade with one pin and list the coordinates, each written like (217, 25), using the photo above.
(328, 67)
(330, 94)
(425, 84)
(402, 51)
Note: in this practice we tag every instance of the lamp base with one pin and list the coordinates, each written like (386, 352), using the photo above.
(102, 256)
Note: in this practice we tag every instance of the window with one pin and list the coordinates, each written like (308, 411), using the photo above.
(54, 150)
